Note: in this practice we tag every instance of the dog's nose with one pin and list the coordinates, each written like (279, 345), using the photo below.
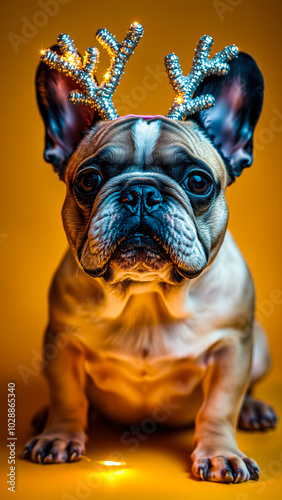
(136, 198)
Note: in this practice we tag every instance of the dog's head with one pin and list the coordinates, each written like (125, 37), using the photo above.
(146, 196)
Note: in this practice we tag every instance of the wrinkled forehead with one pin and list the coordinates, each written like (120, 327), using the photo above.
(144, 142)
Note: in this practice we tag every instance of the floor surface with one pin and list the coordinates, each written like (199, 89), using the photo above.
(158, 465)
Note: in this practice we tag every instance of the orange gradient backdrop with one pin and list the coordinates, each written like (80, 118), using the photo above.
(32, 237)
(32, 240)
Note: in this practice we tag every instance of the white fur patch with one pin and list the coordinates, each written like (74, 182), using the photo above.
(145, 136)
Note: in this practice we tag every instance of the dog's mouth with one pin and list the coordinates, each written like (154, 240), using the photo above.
(139, 250)
(140, 255)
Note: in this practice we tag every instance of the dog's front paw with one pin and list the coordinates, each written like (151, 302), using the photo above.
(56, 445)
(227, 468)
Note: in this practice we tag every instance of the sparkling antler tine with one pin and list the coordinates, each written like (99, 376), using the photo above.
(184, 87)
(108, 41)
(68, 48)
(91, 61)
(228, 53)
(61, 63)
(175, 75)
(98, 97)
(119, 54)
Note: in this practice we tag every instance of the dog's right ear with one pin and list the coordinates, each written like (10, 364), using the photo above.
(65, 123)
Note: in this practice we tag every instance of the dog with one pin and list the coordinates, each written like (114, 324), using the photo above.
(153, 302)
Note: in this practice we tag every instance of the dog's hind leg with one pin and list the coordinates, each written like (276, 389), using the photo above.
(257, 415)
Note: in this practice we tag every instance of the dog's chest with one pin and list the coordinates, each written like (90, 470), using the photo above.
(145, 354)
(145, 332)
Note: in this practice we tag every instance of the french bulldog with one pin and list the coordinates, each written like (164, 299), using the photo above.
(154, 297)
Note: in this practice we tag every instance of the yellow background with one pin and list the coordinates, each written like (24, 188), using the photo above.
(32, 240)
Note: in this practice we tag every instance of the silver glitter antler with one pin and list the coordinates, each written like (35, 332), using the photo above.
(98, 97)
(184, 87)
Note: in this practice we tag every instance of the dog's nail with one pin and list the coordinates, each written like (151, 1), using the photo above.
(202, 473)
(238, 477)
(73, 456)
(228, 475)
(256, 424)
(39, 458)
(26, 453)
(255, 475)
(49, 456)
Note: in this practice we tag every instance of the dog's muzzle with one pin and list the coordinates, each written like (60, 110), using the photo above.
(140, 248)
(143, 224)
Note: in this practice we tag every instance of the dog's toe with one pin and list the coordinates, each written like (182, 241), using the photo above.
(221, 470)
(201, 468)
(239, 469)
(252, 467)
(75, 450)
(28, 448)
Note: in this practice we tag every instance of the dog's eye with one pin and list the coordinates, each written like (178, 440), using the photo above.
(198, 184)
(87, 181)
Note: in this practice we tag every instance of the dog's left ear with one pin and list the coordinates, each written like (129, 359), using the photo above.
(231, 122)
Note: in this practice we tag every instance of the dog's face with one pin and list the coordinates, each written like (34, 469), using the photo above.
(146, 197)
(149, 198)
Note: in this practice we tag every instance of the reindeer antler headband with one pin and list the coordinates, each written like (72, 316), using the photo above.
(100, 96)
